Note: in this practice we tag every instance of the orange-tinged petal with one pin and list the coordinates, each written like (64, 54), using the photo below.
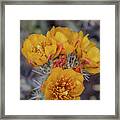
(79, 52)
(58, 51)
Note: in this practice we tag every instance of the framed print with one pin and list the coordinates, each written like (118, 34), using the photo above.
(60, 59)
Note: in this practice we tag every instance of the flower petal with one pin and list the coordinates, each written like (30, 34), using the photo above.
(68, 48)
(60, 37)
(50, 50)
(94, 54)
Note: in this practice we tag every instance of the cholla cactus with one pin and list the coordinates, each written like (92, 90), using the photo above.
(62, 60)
(41, 74)
(72, 61)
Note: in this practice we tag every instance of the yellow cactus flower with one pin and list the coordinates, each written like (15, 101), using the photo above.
(63, 85)
(89, 55)
(64, 36)
(37, 48)
(33, 49)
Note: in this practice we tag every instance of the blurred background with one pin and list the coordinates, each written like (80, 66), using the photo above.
(27, 27)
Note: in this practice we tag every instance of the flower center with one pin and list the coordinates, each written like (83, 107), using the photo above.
(62, 88)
